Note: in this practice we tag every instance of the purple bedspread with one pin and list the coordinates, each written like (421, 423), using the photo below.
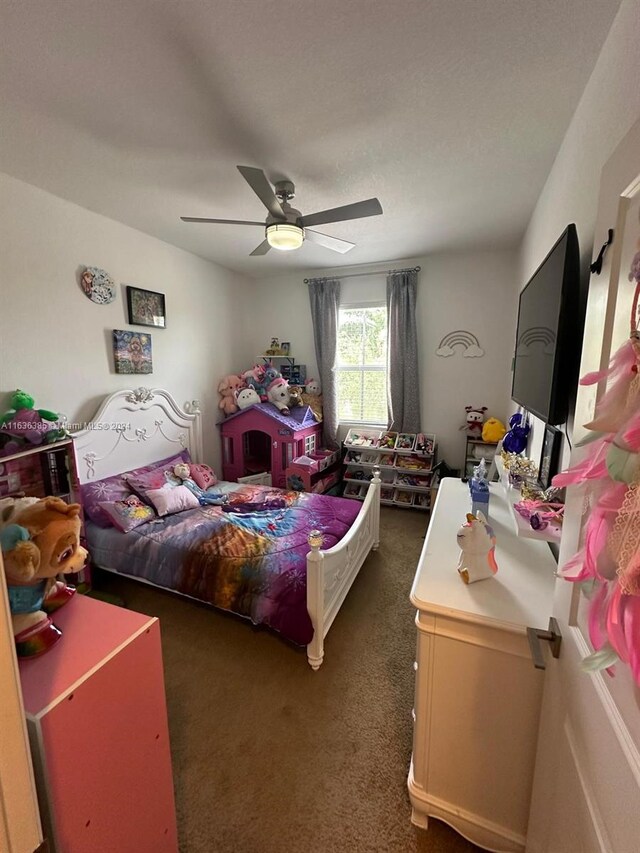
(252, 563)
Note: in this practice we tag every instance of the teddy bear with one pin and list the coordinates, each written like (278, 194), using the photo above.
(312, 397)
(227, 389)
(41, 542)
(295, 396)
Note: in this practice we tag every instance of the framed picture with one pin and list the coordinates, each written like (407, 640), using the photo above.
(550, 456)
(285, 347)
(146, 308)
(132, 352)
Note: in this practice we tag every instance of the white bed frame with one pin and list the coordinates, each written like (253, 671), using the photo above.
(137, 427)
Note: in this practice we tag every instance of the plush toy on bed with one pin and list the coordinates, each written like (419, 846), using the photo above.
(41, 542)
(227, 389)
(198, 479)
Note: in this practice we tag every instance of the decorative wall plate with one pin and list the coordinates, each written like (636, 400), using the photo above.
(98, 285)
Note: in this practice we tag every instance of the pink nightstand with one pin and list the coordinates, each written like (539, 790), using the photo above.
(97, 722)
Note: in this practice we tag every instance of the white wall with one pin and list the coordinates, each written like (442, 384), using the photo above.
(609, 106)
(56, 344)
(466, 290)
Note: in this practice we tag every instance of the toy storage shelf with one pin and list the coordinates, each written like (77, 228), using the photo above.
(288, 358)
(474, 451)
(405, 473)
(522, 528)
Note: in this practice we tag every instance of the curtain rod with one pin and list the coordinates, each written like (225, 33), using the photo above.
(358, 274)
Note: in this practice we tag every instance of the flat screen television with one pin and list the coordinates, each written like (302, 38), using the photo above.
(549, 333)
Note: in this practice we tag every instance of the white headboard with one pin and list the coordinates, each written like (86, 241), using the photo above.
(133, 428)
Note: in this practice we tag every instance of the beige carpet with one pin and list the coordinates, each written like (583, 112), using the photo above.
(270, 757)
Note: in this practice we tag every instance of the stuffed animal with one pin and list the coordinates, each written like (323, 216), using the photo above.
(295, 396)
(313, 398)
(246, 397)
(477, 543)
(254, 378)
(23, 421)
(227, 389)
(278, 394)
(270, 374)
(43, 541)
(493, 430)
(473, 421)
(515, 441)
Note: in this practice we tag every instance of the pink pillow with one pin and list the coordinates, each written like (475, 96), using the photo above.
(128, 513)
(170, 499)
(202, 476)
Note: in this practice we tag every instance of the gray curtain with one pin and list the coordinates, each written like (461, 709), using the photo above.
(403, 390)
(324, 296)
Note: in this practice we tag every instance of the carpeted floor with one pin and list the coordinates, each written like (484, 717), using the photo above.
(270, 757)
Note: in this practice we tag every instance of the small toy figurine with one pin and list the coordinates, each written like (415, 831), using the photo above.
(477, 542)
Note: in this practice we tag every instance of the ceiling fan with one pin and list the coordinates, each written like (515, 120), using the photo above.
(285, 227)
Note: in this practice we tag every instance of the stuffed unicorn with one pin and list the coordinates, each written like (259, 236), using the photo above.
(478, 544)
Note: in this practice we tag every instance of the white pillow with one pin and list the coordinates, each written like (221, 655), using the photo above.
(170, 499)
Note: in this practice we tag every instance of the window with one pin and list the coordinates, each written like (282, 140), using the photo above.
(361, 369)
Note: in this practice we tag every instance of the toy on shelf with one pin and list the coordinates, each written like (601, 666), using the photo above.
(479, 490)
(41, 542)
(275, 348)
(425, 444)
(388, 440)
(477, 543)
(362, 438)
(474, 420)
(402, 497)
(493, 430)
(515, 440)
(227, 389)
(413, 463)
(405, 441)
(23, 425)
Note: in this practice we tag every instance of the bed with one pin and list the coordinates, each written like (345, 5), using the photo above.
(282, 559)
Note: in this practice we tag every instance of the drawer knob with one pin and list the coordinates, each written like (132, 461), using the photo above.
(552, 635)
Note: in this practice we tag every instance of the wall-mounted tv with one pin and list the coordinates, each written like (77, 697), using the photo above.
(549, 333)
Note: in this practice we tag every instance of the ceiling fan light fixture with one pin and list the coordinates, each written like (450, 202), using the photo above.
(285, 236)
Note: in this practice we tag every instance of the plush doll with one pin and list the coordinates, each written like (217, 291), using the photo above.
(227, 389)
(474, 420)
(270, 375)
(247, 397)
(515, 441)
(184, 473)
(23, 421)
(42, 541)
(254, 378)
(493, 430)
(313, 398)
(278, 394)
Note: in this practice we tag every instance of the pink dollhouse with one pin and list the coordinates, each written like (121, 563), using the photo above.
(260, 438)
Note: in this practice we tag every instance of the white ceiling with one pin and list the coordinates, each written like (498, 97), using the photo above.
(449, 111)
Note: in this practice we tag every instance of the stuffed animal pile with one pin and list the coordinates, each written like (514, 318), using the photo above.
(23, 426)
(262, 383)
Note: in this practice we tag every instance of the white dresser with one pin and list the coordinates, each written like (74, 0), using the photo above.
(478, 695)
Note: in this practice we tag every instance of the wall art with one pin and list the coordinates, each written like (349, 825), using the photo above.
(146, 308)
(97, 285)
(132, 352)
(469, 344)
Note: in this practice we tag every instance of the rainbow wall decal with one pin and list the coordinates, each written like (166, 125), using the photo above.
(469, 343)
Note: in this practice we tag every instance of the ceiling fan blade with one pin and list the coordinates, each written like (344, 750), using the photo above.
(370, 207)
(258, 182)
(328, 242)
(220, 221)
(262, 249)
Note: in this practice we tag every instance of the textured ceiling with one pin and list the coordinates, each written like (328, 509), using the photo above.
(449, 111)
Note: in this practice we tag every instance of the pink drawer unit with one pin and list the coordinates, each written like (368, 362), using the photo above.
(97, 721)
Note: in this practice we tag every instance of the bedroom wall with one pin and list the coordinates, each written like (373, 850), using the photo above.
(56, 344)
(464, 290)
(609, 106)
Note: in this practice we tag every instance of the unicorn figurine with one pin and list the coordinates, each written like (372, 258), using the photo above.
(478, 544)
